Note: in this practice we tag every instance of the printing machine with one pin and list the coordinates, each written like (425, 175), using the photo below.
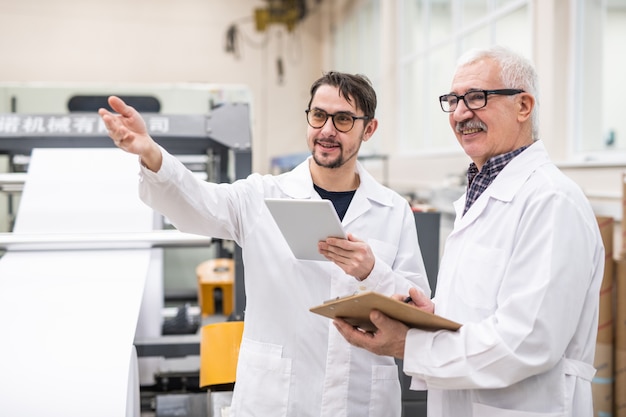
(222, 137)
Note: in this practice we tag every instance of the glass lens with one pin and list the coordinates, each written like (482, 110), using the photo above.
(343, 121)
(449, 102)
(317, 118)
(475, 100)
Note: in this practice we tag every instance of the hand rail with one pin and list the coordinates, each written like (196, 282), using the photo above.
(100, 241)
(12, 182)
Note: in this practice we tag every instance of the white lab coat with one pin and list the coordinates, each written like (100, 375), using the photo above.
(293, 362)
(522, 272)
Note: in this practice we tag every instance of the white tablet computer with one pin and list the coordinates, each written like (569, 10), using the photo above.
(304, 223)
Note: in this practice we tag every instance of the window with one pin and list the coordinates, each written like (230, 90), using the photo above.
(433, 34)
(356, 40)
(356, 49)
(597, 119)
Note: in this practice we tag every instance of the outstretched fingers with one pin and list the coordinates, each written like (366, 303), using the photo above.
(121, 107)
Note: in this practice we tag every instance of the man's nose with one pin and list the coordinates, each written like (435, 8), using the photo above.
(462, 112)
(329, 127)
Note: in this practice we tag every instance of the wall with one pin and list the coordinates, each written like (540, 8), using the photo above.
(160, 41)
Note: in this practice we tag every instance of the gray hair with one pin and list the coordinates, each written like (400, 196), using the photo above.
(515, 72)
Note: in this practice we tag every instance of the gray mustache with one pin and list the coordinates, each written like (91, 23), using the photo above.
(472, 124)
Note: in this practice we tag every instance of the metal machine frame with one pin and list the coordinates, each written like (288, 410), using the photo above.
(224, 135)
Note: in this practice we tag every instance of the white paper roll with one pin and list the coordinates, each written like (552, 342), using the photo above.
(68, 317)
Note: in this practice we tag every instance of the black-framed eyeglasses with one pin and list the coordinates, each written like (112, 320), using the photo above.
(474, 100)
(343, 121)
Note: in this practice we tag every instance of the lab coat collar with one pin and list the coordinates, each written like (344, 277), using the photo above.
(370, 192)
(298, 183)
(516, 172)
(506, 184)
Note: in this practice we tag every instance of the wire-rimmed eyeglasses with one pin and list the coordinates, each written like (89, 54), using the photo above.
(343, 121)
(474, 100)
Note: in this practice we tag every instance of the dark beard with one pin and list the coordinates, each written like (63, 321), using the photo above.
(339, 162)
(335, 164)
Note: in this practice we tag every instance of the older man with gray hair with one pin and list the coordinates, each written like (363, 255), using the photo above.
(521, 269)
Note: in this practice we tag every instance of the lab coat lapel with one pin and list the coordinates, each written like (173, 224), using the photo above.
(358, 206)
(504, 187)
(298, 183)
(369, 191)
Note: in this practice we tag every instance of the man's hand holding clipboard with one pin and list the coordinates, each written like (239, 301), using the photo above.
(382, 326)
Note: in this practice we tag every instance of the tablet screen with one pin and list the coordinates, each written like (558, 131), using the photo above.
(304, 223)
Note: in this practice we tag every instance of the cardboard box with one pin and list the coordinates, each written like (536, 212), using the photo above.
(623, 251)
(620, 340)
(603, 382)
(607, 289)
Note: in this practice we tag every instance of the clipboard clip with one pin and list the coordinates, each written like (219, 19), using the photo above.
(341, 297)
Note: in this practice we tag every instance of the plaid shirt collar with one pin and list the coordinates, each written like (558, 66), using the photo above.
(478, 181)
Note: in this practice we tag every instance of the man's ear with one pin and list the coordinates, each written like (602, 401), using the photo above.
(370, 128)
(526, 103)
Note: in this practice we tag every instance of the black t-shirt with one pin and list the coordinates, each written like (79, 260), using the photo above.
(340, 199)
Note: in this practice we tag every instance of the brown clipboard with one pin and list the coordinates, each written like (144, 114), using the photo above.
(355, 309)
